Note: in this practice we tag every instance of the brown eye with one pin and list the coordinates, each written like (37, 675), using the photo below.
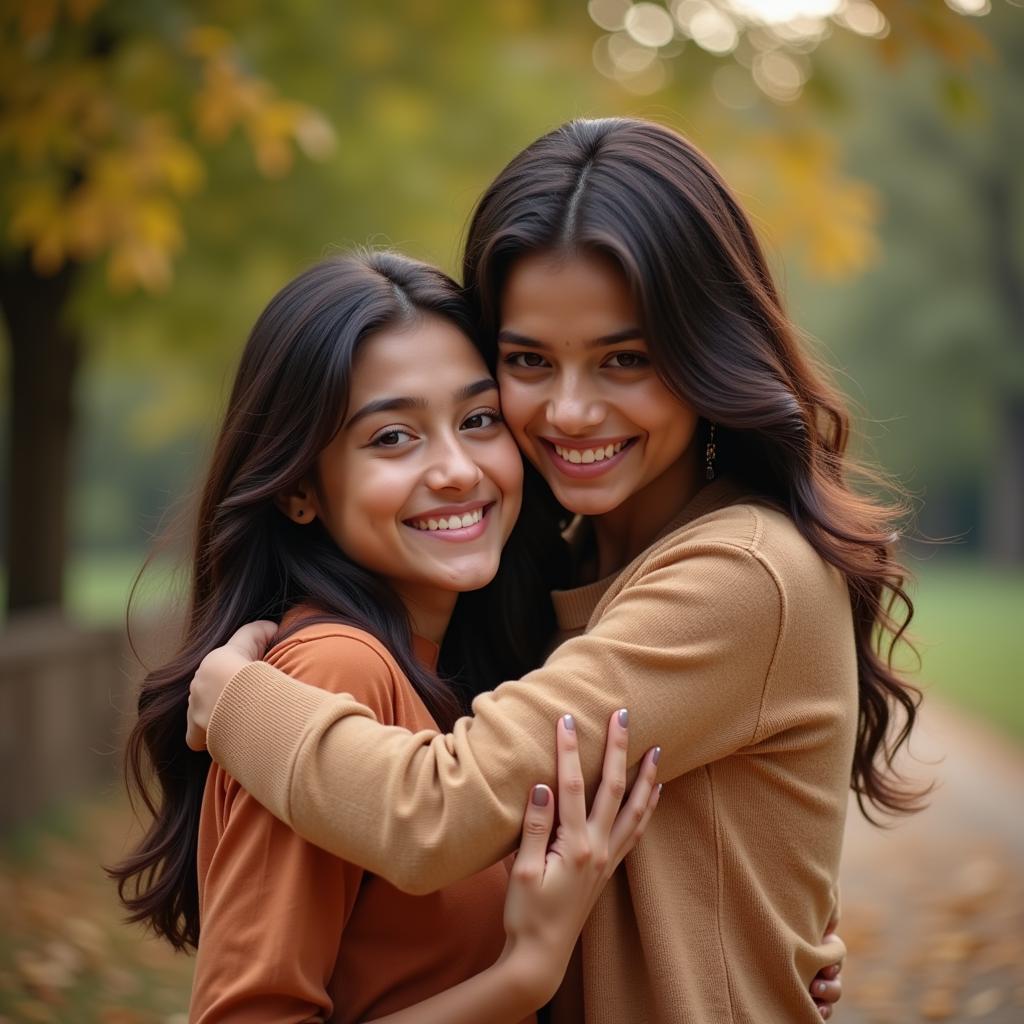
(392, 437)
(525, 360)
(479, 420)
(628, 361)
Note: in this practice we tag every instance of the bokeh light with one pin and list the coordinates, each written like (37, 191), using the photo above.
(743, 31)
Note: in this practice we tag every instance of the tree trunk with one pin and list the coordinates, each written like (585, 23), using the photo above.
(44, 357)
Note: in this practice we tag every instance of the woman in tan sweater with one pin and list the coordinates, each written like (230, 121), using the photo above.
(362, 482)
(729, 584)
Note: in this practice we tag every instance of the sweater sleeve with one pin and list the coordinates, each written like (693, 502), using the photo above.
(274, 906)
(687, 646)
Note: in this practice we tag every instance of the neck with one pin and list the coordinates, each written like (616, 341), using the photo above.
(430, 612)
(626, 531)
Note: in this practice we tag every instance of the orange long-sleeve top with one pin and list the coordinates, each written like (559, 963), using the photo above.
(292, 933)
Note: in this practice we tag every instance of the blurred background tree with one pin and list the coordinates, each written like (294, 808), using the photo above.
(104, 108)
(156, 191)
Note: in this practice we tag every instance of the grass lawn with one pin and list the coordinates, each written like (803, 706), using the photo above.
(969, 624)
(97, 586)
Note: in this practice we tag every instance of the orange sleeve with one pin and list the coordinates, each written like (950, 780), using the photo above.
(273, 906)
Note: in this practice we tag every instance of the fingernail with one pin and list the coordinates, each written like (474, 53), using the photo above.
(569, 722)
(656, 756)
(661, 786)
(623, 718)
(541, 794)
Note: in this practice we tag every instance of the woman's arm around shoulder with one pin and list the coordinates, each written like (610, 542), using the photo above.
(687, 644)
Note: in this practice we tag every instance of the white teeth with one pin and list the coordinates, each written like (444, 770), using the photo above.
(455, 522)
(586, 456)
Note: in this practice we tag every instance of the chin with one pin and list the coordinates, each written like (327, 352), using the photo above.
(468, 579)
(586, 504)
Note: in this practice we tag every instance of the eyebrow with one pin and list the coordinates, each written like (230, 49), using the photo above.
(626, 334)
(403, 402)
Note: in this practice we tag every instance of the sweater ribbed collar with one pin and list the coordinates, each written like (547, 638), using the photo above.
(574, 607)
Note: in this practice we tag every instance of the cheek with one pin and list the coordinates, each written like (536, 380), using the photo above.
(518, 406)
(673, 423)
(505, 467)
(366, 497)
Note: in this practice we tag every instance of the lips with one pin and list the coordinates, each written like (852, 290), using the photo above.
(452, 522)
(585, 456)
(584, 460)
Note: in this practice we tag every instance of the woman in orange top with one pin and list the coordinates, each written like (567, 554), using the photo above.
(363, 480)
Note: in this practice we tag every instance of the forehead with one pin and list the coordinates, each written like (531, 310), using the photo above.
(427, 357)
(583, 296)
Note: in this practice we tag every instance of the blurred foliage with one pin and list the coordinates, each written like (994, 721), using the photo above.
(931, 338)
(178, 145)
(104, 107)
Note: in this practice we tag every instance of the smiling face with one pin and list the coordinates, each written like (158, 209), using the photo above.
(422, 483)
(582, 398)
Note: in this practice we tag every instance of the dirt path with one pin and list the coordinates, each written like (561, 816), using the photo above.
(934, 908)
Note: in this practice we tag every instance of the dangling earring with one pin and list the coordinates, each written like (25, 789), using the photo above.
(710, 451)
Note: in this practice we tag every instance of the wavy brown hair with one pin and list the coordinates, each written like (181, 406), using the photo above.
(250, 561)
(720, 339)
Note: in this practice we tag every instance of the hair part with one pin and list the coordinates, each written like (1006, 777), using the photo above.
(644, 196)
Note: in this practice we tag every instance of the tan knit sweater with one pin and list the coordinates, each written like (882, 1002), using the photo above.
(731, 643)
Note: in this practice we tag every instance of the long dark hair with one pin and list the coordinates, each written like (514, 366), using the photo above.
(721, 341)
(250, 561)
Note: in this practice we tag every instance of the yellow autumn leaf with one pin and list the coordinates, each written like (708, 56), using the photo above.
(111, 172)
(36, 207)
(137, 264)
(273, 157)
(88, 221)
(155, 222)
(833, 224)
(226, 97)
(182, 169)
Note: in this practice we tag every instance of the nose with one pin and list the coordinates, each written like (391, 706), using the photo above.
(573, 408)
(452, 467)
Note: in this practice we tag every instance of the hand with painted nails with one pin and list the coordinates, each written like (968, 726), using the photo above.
(554, 885)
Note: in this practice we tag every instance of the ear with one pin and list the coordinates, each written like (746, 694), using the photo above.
(298, 503)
